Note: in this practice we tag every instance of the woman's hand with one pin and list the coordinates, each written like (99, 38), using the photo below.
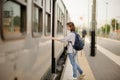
(53, 38)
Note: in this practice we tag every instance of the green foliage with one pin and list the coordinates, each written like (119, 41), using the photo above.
(114, 24)
(108, 28)
(104, 28)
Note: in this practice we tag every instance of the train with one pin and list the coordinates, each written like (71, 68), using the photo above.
(25, 28)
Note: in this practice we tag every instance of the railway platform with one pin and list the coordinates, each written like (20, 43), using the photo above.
(82, 61)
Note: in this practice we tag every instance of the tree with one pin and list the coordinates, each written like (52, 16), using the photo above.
(107, 26)
(104, 27)
(114, 24)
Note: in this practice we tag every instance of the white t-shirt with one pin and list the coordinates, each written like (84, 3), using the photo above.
(69, 37)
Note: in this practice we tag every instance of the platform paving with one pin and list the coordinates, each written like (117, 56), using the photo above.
(82, 61)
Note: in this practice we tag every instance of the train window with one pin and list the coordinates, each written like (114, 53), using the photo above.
(41, 2)
(48, 6)
(60, 15)
(38, 2)
(63, 19)
(14, 20)
(48, 24)
(57, 12)
(24, 0)
(37, 21)
(59, 27)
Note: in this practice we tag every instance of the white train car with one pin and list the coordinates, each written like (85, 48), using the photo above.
(25, 49)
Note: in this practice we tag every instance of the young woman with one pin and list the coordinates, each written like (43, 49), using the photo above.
(70, 51)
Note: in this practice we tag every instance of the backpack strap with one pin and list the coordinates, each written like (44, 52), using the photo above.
(72, 46)
(69, 41)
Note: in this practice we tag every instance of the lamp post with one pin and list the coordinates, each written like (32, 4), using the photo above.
(88, 17)
(106, 18)
(90, 3)
(93, 28)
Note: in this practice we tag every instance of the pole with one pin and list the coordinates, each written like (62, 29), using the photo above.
(106, 18)
(93, 28)
(1, 19)
(53, 46)
(88, 18)
(115, 25)
(0, 16)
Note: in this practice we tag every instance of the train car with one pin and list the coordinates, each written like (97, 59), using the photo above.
(25, 28)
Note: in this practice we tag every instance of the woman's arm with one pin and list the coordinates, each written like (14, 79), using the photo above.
(65, 39)
(53, 38)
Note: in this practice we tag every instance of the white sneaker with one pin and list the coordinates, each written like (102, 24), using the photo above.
(82, 75)
(75, 78)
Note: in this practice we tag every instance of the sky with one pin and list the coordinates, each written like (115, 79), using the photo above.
(82, 8)
(77, 9)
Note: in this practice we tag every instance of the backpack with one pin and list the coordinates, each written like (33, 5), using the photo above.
(79, 43)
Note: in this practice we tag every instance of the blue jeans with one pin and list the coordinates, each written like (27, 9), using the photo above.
(75, 66)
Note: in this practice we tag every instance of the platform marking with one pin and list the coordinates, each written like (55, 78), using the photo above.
(107, 53)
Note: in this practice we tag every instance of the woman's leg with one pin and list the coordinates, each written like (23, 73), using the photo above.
(72, 60)
(79, 69)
